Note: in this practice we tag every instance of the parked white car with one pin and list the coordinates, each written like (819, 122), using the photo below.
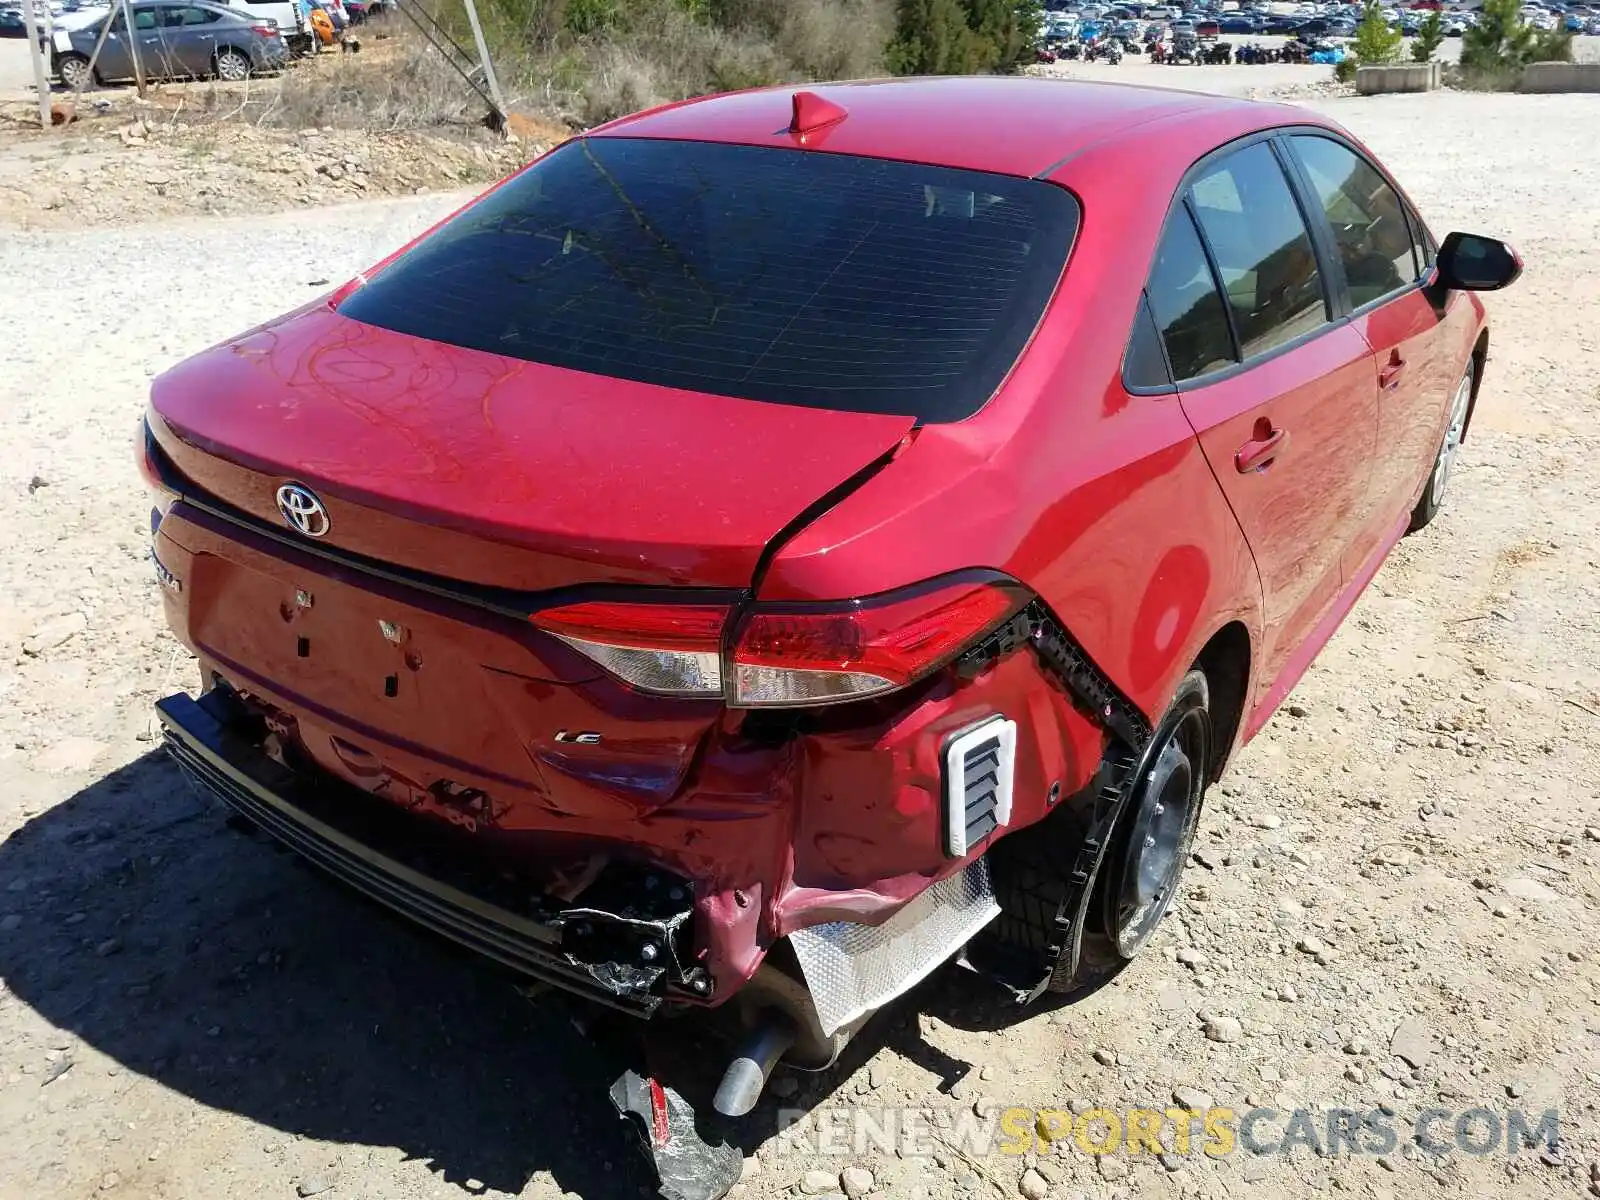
(286, 14)
(63, 26)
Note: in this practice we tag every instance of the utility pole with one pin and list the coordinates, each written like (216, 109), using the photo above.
(41, 71)
(132, 34)
(483, 57)
(99, 42)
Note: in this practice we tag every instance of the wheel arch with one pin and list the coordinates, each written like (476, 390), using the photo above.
(1226, 659)
(224, 47)
(1479, 357)
(59, 57)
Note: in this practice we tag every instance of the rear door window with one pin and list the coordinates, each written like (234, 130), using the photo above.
(1187, 306)
(1262, 249)
(189, 15)
(781, 275)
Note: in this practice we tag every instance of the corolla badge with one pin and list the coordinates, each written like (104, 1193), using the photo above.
(301, 508)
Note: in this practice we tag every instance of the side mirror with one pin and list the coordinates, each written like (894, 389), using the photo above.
(1471, 263)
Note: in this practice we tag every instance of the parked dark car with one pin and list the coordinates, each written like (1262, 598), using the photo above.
(1239, 23)
(777, 541)
(175, 40)
(12, 25)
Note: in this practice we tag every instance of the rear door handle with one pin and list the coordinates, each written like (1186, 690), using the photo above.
(1258, 453)
(1389, 375)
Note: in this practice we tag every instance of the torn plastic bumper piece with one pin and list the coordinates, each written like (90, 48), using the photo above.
(1092, 693)
(853, 970)
(689, 1166)
(624, 944)
(1038, 943)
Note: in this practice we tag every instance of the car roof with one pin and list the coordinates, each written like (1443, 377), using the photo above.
(1012, 125)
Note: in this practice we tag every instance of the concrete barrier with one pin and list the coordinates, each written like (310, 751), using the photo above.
(1401, 77)
(1560, 77)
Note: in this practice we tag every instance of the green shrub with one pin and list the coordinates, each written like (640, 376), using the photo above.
(1550, 45)
(1376, 42)
(584, 17)
(956, 37)
(1430, 34)
(1494, 51)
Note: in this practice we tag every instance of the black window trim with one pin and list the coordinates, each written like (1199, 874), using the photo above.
(1335, 290)
(1216, 281)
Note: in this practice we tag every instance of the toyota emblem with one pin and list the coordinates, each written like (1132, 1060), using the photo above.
(301, 508)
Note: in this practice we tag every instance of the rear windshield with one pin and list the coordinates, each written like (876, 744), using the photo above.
(770, 274)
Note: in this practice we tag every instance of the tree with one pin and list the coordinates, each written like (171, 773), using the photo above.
(1376, 41)
(932, 38)
(954, 37)
(1429, 36)
(1011, 27)
(1502, 41)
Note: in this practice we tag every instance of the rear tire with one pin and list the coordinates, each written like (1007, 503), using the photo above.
(232, 66)
(73, 71)
(1433, 492)
(1137, 877)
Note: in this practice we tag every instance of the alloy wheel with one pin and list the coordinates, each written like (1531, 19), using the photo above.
(1159, 838)
(1452, 440)
(232, 67)
(75, 74)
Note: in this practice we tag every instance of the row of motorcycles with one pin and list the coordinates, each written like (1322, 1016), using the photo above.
(1105, 45)
(1225, 54)
(1102, 47)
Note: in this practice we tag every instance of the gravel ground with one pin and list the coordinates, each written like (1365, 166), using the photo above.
(1396, 899)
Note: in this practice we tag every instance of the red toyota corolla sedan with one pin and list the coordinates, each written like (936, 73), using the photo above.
(779, 542)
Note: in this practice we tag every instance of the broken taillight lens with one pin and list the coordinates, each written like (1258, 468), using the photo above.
(161, 493)
(671, 649)
(805, 654)
(789, 655)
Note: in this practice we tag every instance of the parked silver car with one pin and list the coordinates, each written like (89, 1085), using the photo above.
(175, 40)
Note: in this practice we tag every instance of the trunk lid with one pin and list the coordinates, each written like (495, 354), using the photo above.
(444, 465)
(497, 471)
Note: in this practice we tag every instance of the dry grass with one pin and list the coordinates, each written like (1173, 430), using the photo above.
(758, 42)
(397, 83)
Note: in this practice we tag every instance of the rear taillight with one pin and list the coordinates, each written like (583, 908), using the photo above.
(671, 649)
(790, 655)
(816, 654)
(161, 493)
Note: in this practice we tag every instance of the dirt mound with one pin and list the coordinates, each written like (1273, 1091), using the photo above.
(120, 166)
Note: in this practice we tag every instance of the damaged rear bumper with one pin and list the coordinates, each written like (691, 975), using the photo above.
(631, 960)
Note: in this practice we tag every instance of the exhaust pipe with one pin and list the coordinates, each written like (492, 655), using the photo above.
(747, 1074)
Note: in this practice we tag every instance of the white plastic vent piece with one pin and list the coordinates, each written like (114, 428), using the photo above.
(978, 767)
(853, 969)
